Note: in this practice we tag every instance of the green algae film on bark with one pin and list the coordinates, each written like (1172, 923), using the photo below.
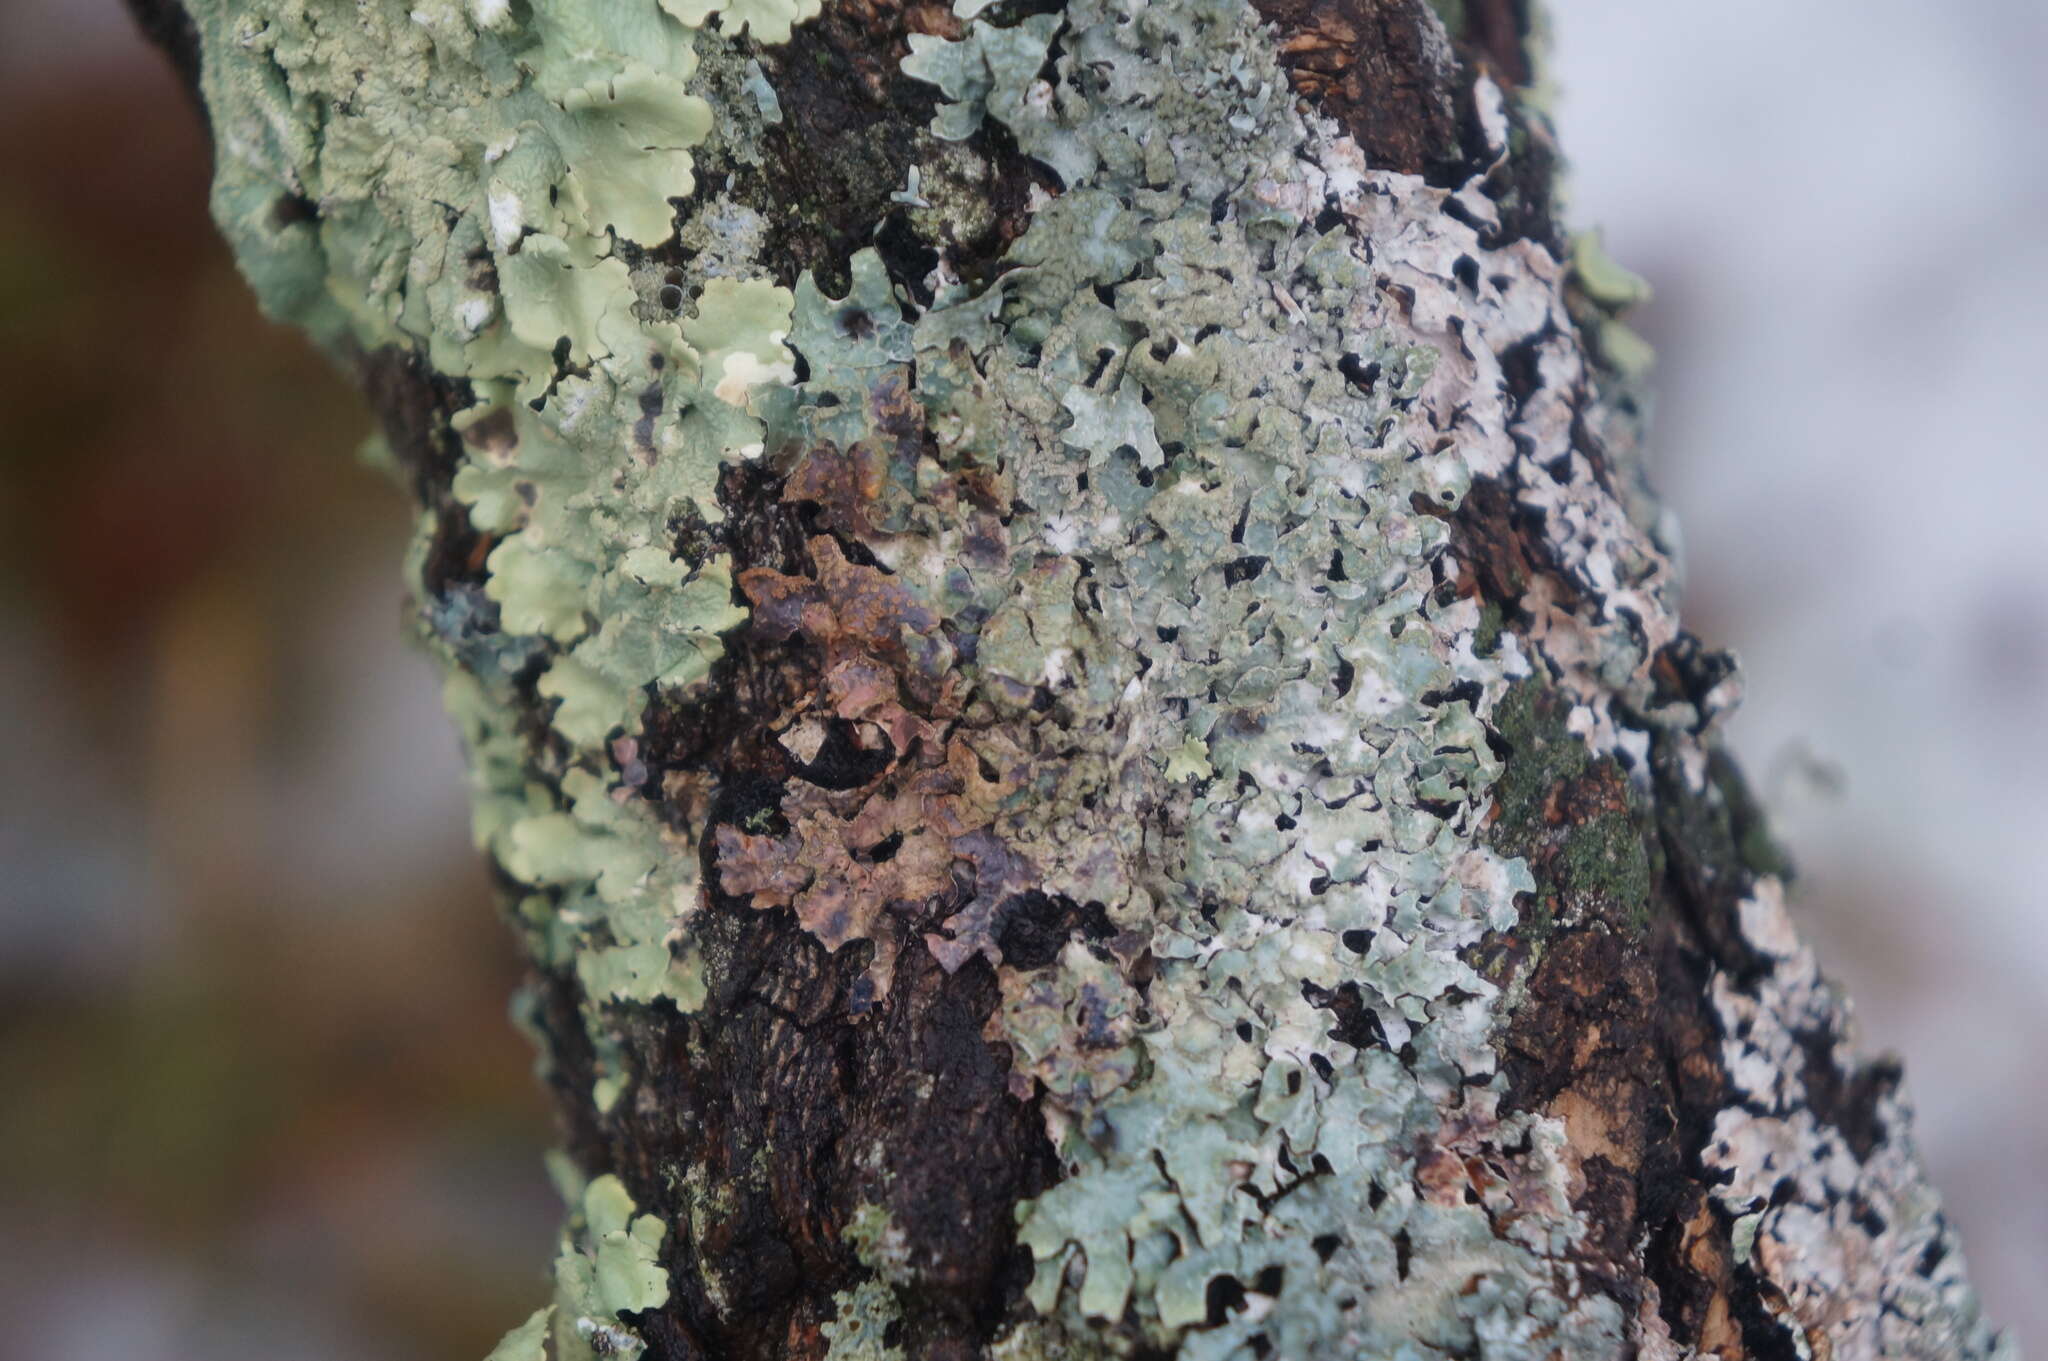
(1072, 685)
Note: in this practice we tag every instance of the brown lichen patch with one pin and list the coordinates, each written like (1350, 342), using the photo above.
(897, 834)
(869, 492)
(893, 778)
(851, 857)
(843, 484)
(848, 609)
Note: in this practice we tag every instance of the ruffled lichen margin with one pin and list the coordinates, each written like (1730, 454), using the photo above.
(1091, 744)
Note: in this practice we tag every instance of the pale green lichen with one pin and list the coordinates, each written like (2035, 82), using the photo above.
(609, 1266)
(769, 21)
(430, 149)
(527, 1342)
(462, 181)
(1612, 289)
(1071, 1030)
(466, 184)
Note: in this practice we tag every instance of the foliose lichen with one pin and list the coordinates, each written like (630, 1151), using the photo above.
(1830, 1205)
(609, 1267)
(1123, 575)
(1261, 677)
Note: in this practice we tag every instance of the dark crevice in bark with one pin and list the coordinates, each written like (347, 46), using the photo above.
(1614, 1032)
(1845, 1100)
(1708, 874)
(1498, 31)
(1358, 1025)
(851, 129)
(1616, 1037)
(1499, 548)
(1687, 671)
(758, 1126)
(724, 728)
(1382, 70)
(414, 405)
(1585, 957)
(1037, 926)
(1499, 542)
(1523, 185)
(791, 1093)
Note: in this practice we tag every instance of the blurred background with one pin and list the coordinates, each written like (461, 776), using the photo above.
(263, 1097)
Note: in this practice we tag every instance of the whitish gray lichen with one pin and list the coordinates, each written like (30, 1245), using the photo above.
(1851, 1239)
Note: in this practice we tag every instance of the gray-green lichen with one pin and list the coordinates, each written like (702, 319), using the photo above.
(1144, 616)
(878, 1241)
(861, 1330)
(609, 1266)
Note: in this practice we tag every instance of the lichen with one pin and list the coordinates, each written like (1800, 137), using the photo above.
(527, 1342)
(860, 1332)
(1256, 649)
(1830, 1206)
(608, 1268)
(1127, 582)
(879, 1242)
(472, 183)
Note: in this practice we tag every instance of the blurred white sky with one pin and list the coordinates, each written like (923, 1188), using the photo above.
(1841, 204)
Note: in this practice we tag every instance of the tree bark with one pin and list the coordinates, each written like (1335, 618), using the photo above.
(1072, 684)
